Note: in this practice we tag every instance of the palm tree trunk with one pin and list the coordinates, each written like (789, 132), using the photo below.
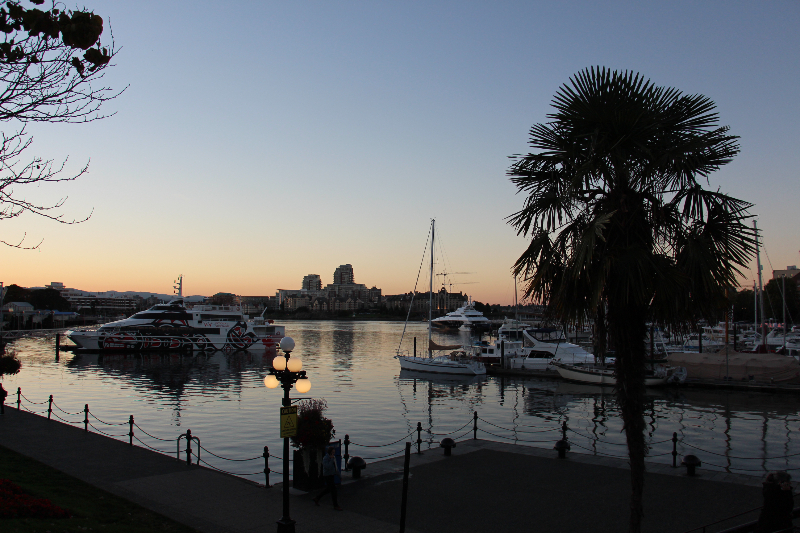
(627, 329)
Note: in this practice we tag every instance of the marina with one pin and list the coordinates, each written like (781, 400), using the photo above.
(221, 398)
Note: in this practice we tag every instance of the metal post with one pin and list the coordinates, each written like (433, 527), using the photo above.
(419, 437)
(346, 453)
(58, 344)
(475, 425)
(266, 465)
(699, 340)
(130, 432)
(188, 447)
(19, 396)
(734, 336)
(564, 430)
(49, 406)
(404, 500)
(286, 524)
(415, 346)
(502, 354)
(86, 418)
(674, 450)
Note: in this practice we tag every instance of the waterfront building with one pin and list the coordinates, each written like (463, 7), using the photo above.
(312, 282)
(332, 297)
(443, 301)
(792, 273)
(344, 275)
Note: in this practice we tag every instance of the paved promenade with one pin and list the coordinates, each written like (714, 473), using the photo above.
(484, 487)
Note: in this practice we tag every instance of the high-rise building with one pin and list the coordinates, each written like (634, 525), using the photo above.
(312, 282)
(344, 275)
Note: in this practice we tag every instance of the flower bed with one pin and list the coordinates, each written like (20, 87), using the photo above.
(16, 504)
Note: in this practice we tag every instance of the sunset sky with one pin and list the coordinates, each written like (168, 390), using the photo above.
(258, 142)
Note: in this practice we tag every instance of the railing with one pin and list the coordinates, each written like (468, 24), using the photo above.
(561, 435)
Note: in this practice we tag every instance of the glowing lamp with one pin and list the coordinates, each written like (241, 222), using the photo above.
(271, 382)
(287, 344)
(303, 385)
(294, 365)
(279, 363)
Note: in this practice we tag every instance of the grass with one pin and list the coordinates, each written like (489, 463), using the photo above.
(92, 509)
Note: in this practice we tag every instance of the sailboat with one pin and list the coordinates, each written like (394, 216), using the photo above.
(440, 364)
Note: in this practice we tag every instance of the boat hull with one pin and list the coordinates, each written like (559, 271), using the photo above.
(599, 376)
(144, 340)
(440, 365)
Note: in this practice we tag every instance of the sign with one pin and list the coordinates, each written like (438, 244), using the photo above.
(288, 422)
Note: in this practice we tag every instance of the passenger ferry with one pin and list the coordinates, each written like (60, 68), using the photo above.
(172, 326)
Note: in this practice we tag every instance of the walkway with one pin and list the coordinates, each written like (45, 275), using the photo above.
(484, 486)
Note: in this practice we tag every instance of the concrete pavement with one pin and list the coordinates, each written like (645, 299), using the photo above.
(483, 486)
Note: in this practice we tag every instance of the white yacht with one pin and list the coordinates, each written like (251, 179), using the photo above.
(465, 316)
(172, 326)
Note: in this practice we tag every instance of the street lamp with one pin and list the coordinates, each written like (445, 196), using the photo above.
(287, 372)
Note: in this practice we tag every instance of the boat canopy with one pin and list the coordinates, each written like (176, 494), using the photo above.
(434, 346)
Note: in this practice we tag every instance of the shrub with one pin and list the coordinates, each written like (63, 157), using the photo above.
(313, 429)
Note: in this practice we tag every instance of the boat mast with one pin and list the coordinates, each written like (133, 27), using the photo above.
(783, 290)
(430, 292)
(179, 286)
(760, 291)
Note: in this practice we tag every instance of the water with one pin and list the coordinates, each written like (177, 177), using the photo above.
(222, 399)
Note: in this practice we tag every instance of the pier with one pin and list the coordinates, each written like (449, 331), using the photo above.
(482, 486)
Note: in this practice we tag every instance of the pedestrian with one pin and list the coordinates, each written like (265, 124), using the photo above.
(776, 514)
(3, 394)
(329, 472)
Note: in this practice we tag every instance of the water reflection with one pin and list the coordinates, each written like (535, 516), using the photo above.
(351, 365)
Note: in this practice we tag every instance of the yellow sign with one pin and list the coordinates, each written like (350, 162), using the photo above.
(288, 422)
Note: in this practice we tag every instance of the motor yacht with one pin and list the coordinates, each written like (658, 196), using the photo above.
(172, 326)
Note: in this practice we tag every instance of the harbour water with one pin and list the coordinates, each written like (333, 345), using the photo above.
(222, 399)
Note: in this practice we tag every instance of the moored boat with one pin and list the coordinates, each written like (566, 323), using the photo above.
(172, 326)
(453, 363)
(604, 374)
(464, 318)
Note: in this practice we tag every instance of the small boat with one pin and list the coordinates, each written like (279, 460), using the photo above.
(453, 363)
(604, 374)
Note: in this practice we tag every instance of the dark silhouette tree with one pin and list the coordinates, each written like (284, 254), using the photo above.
(51, 62)
(618, 221)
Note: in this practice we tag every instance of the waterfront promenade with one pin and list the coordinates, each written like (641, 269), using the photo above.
(484, 486)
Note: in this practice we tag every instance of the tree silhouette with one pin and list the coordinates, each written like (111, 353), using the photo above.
(619, 222)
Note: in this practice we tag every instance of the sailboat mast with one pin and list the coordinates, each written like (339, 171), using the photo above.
(760, 290)
(430, 291)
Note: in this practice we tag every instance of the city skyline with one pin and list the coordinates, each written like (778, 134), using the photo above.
(323, 134)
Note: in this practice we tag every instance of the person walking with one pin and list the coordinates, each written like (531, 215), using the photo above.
(776, 514)
(329, 472)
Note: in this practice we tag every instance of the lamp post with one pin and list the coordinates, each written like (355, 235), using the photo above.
(287, 372)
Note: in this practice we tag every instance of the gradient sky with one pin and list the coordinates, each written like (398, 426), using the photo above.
(258, 142)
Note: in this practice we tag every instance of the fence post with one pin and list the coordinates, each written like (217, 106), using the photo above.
(475, 425)
(404, 500)
(674, 450)
(346, 452)
(266, 465)
(58, 344)
(86, 417)
(130, 433)
(49, 406)
(564, 430)
(188, 447)
(419, 437)
(19, 396)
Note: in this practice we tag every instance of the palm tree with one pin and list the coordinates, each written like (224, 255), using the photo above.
(620, 226)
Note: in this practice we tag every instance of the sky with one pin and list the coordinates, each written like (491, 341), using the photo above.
(257, 142)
